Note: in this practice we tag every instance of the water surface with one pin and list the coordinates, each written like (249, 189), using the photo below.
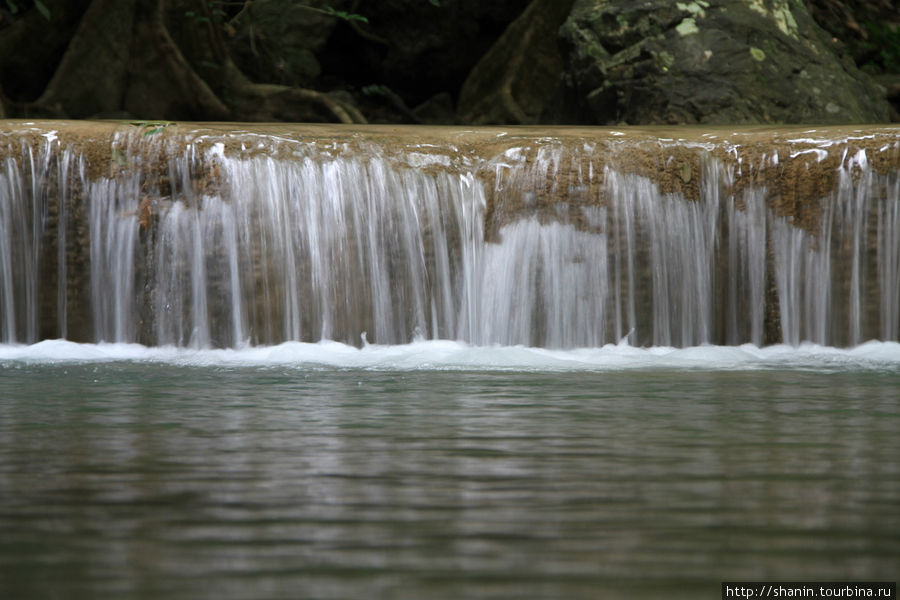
(326, 471)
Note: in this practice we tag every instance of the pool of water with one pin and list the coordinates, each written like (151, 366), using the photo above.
(443, 471)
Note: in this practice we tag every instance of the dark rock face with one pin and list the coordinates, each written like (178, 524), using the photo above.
(446, 61)
(708, 61)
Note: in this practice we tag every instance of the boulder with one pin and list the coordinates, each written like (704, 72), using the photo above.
(708, 61)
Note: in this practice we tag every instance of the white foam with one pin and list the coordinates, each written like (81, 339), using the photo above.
(450, 355)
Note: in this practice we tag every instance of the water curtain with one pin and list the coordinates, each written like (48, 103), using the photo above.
(208, 236)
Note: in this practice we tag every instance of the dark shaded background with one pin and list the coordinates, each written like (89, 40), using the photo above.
(390, 61)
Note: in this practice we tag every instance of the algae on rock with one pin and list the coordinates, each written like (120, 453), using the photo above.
(709, 61)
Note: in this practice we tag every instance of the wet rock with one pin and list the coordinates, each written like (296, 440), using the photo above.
(708, 61)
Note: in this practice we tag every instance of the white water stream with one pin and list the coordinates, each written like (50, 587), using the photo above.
(333, 243)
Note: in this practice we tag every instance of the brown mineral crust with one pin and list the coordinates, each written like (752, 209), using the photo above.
(674, 169)
(804, 173)
(806, 170)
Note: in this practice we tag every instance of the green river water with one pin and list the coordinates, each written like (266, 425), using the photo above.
(135, 479)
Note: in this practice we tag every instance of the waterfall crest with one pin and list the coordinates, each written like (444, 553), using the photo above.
(214, 237)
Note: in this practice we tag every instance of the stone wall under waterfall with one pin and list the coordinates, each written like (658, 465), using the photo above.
(201, 235)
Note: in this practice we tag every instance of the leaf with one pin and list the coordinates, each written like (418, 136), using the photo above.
(375, 90)
(42, 9)
(13, 7)
(885, 40)
(435, 3)
(340, 14)
(150, 127)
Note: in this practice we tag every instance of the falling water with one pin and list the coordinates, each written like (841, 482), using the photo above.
(234, 239)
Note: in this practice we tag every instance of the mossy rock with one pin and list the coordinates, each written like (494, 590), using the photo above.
(709, 61)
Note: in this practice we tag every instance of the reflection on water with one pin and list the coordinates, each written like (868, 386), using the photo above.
(136, 480)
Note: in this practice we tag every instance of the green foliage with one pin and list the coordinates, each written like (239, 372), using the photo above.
(14, 7)
(885, 41)
(217, 14)
(340, 14)
(350, 17)
(376, 90)
(222, 17)
(151, 127)
(195, 17)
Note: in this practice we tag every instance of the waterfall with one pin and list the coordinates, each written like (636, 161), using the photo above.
(234, 238)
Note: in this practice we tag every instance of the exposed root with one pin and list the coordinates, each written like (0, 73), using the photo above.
(275, 99)
(366, 35)
(191, 84)
(506, 94)
(161, 65)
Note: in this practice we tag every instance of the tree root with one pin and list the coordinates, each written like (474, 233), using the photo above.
(277, 98)
(366, 35)
(163, 83)
(191, 84)
(273, 97)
